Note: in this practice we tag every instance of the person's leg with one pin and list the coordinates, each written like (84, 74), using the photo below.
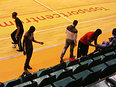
(79, 49)
(64, 50)
(13, 37)
(71, 49)
(19, 42)
(85, 50)
(28, 54)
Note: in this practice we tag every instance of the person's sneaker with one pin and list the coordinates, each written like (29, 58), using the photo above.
(29, 67)
(19, 50)
(14, 45)
(72, 59)
(61, 61)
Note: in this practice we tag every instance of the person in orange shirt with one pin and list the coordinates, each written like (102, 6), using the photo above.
(85, 42)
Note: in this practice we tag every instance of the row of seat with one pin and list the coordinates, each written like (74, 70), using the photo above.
(80, 72)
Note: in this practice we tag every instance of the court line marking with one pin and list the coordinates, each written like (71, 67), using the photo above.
(66, 25)
(59, 9)
(52, 10)
(42, 48)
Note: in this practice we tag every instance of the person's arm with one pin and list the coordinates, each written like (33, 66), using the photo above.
(75, 39)
(89, 43)
(24, 45)
(18, 30)
(95, 41)
(37, 41)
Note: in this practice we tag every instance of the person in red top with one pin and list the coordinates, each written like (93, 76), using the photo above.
(85, 42)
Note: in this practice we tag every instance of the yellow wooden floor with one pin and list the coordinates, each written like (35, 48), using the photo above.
(50, 19)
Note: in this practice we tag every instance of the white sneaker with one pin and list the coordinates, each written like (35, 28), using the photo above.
(14, 45)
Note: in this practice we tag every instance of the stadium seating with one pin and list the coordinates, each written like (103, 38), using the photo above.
(89, 71)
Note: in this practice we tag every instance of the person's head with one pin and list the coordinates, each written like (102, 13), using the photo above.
(14, 15)
(32, 29)
(75, 22)
(98, 32)
(114, 31)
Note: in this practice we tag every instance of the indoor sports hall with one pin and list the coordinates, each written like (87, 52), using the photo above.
(50, 18)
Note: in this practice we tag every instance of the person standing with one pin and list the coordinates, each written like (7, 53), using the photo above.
(28, 46)
(71, 40)
(85, 42)
(18, 33)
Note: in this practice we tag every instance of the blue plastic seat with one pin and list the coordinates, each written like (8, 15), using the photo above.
(12, 83)
(76, 83)
(63, 82)
(91, 78)
(62, 74)
(82, 74)
(45, 80)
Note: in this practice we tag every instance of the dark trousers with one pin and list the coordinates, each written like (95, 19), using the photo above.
(67, 44)
(82, 49)
(19, 37)
(28, 54)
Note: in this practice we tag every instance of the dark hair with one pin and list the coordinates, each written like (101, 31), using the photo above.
(32, 29)
(75, 22)
(14, 13)
(98, 32)
(114, 31)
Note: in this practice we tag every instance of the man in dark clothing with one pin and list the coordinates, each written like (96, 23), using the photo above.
(18, 33)
(28, 46)
(85, 42)
(71, 40)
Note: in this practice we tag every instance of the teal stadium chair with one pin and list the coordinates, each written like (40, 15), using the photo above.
(34, 84)
(88, 62)
(48, 85)
(62, 74)
(23, 84)
(12, 83)
(72, 63)
(109, 56)
(73, 67)
(63, 82)
(58, 67)
(98, 67)
(43, 72)
(80, 68)
(82, 74)
(94, 63)
(91, 78)
(45, 80)
(28, 78)
(76, 83)
(111, 68)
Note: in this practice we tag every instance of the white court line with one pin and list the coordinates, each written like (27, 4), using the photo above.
(52, 10)
(42, 48)
(66, 25)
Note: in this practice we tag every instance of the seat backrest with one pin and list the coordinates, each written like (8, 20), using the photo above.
(94, 63)
(73, 63)
(76, 83)
(13, 83)
(91, 78)
(65, 74)
(34, 84)
(80, 68)
(47, 81)
(29, 78)
(58, 67)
